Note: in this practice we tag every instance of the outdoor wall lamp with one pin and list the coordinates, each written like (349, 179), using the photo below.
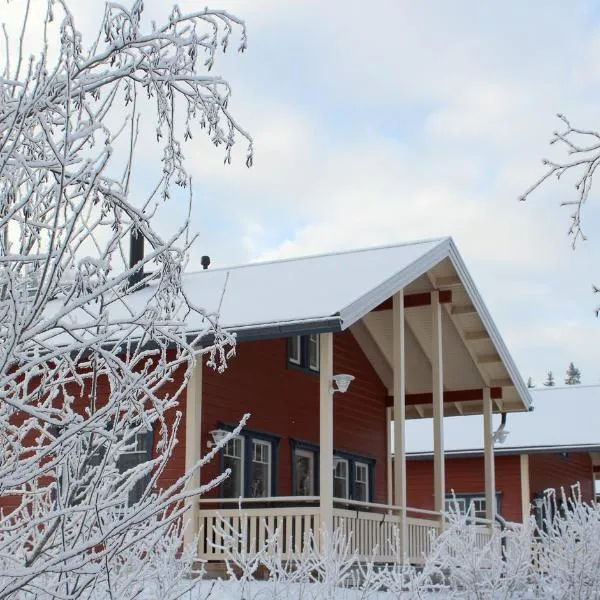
(218, 435)
(341, 382)
(499, 436)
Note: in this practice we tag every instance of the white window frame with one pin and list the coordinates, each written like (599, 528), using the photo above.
(311, 461)
(358, 465)
(241, 459)
(269, 446)
(313, 338)
(338, 462)
(295, 342)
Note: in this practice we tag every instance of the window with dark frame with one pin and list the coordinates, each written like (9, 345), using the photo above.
(341, 485)
(353, 475)
(252, 460)
(473, 505)
(361, 482)
(303, 352)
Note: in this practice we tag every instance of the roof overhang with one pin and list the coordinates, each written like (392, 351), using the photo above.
(501, 450)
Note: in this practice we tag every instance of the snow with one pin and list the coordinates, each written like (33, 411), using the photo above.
(562, 417)
(302, 289)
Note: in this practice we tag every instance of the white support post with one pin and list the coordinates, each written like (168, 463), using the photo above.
(388, 454)
(326, 432)
(193, 447)
(400, 417)
(437, 368)
(488, 456)
(525, 489)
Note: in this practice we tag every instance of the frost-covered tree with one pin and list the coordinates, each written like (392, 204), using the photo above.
(94, 352)
(549, 381)
(582, 147)
(573, 376)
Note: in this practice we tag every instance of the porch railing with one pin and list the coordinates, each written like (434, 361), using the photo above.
(371, 529)
(250, 527)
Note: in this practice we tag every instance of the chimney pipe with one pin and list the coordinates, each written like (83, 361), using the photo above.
(205, 261)
(136, 255)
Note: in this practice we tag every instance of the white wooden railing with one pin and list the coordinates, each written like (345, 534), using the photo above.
(371, 529)
(374, 531)
(250, 527)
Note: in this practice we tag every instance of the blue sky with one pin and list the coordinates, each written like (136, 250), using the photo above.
(385, 122)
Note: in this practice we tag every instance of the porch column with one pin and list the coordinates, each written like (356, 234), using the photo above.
(193, 446)
(399, 417)
(388, 454)
(437, 368)
(488, 456)
(525, 489)
(326, 432)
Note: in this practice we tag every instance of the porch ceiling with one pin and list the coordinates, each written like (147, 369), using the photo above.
(471, 360)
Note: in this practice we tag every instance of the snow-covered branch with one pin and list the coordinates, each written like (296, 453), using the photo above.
(95, 352)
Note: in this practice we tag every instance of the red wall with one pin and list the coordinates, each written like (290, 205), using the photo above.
(556, 471)
(285, 401)
(466, 476)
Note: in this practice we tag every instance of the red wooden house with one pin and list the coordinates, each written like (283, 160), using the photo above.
(407, 322)
(556, 445)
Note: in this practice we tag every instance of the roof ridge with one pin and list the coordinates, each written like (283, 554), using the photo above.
(321, 255)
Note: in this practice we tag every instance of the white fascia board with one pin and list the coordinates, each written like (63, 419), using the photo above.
(365, 304)
(489, 325)
(508, 450)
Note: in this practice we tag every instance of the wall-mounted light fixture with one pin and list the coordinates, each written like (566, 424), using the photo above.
(218, 435)
(341, 382)
(499, 436)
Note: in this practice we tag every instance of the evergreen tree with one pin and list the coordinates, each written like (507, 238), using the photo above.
(573, 375)
(530, 383)
(549, 380)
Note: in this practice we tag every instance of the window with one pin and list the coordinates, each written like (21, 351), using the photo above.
(305, 473)
(294, 350)
(340, 478)
(260, 476)
(303, 351)
(251, 458)
(233, 458)
(313, 352)
(139, 452)
(361, 482)
(473, 505)
(353, 475)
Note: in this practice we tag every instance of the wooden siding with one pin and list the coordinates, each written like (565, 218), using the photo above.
(561, 470)
(284, 401)
(466, 476)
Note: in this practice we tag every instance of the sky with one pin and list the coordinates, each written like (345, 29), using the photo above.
(397, 121)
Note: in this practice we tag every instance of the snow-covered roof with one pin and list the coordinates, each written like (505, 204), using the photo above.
(324, 291)
(563, 418)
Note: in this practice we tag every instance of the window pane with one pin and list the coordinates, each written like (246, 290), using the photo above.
(305, 474)
(361, 482)
(233, 458)
(456, 504)
(294, 355)
(340, 478)
(313, 351)
(260, 483)
(478, 508)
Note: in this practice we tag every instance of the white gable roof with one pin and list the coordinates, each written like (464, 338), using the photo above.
(562, 418)
(312, 289)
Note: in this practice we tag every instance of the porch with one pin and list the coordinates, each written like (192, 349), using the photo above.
(370, 530)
